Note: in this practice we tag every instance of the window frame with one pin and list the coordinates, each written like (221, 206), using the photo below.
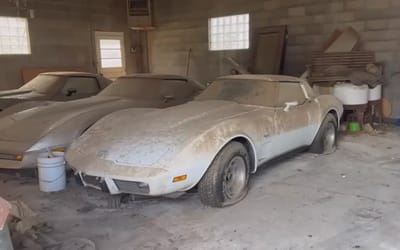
(223, 48)
(27, 37)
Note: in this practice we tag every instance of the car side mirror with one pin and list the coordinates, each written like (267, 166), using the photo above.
(71, 92)
(288, 105)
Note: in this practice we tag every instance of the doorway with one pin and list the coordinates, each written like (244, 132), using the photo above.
(110, 52)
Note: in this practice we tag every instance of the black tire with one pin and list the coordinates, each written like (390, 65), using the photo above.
(320, 144)
(214, 188)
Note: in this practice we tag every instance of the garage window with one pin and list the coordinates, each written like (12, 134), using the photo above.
(14, 36)
(229, 32)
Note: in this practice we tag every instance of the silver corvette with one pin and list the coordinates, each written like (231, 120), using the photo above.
(27, 130)
(55, 86)
(213, 142)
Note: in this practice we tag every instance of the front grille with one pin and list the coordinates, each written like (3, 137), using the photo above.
(132, 187)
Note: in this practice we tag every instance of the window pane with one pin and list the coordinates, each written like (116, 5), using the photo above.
(110, 44)
(14, 36)
(229, 33)
(110, 53)
(111, 63)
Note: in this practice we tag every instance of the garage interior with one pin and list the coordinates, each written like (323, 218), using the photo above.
(347, 199)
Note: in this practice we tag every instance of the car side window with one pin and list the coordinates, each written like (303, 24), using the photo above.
(290, 92)
(176, 89)
(80, 86)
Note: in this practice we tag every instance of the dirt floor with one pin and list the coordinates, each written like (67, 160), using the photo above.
(346, 200)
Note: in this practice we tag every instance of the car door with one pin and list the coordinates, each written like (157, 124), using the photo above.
(78, 87)
(175, 92)
(294, 118)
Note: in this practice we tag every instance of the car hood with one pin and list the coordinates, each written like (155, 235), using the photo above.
(153, 138)
(30, 124)
(19, 97)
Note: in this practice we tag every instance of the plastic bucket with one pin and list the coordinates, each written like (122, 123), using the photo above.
(51, 168)
(354, 127)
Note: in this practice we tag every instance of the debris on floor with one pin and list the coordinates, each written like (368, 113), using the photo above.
(24, 218)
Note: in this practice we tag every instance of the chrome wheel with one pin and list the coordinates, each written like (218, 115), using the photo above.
(234, 179)
(329, 140)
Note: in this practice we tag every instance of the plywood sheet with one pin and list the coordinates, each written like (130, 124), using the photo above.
(346, 42)
(269, 50)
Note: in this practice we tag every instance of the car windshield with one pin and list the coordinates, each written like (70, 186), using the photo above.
(44, 84)
(134, 87)
(251, 92)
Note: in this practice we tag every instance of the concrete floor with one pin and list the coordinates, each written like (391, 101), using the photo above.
(346, 200)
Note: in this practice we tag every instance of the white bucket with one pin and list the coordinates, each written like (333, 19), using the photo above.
(375, 94)
(51, 172)
(350, 94)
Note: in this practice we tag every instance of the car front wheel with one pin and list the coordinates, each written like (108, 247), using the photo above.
(226, 181)
(326, 138)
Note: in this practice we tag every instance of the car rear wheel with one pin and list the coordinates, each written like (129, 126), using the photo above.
(226, 181)
(326, 138)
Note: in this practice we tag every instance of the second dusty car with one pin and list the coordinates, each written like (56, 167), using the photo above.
(27, 131)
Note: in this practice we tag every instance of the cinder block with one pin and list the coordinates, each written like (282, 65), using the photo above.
(297, 11)
(354, 4)
(377, 4)
(376, 25)
(336, 7)
(297, 29)
(380, 46)
(358, 26)
(394, 23)
(345, 17)
(382, 35)
(385, 56)
(271, 5)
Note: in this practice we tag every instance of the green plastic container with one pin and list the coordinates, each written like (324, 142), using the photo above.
(354, 127)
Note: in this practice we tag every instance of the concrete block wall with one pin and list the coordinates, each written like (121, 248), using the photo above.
(61, 34)
(183, 24)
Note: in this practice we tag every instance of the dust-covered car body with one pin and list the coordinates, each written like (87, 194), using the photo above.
(55, 86)
(161, 152)
(26, 131)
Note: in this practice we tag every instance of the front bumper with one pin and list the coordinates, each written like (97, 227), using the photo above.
(156, 185)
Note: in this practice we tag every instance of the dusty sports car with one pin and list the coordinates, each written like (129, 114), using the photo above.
(213, 142)
(25, 132)
(55, 86)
